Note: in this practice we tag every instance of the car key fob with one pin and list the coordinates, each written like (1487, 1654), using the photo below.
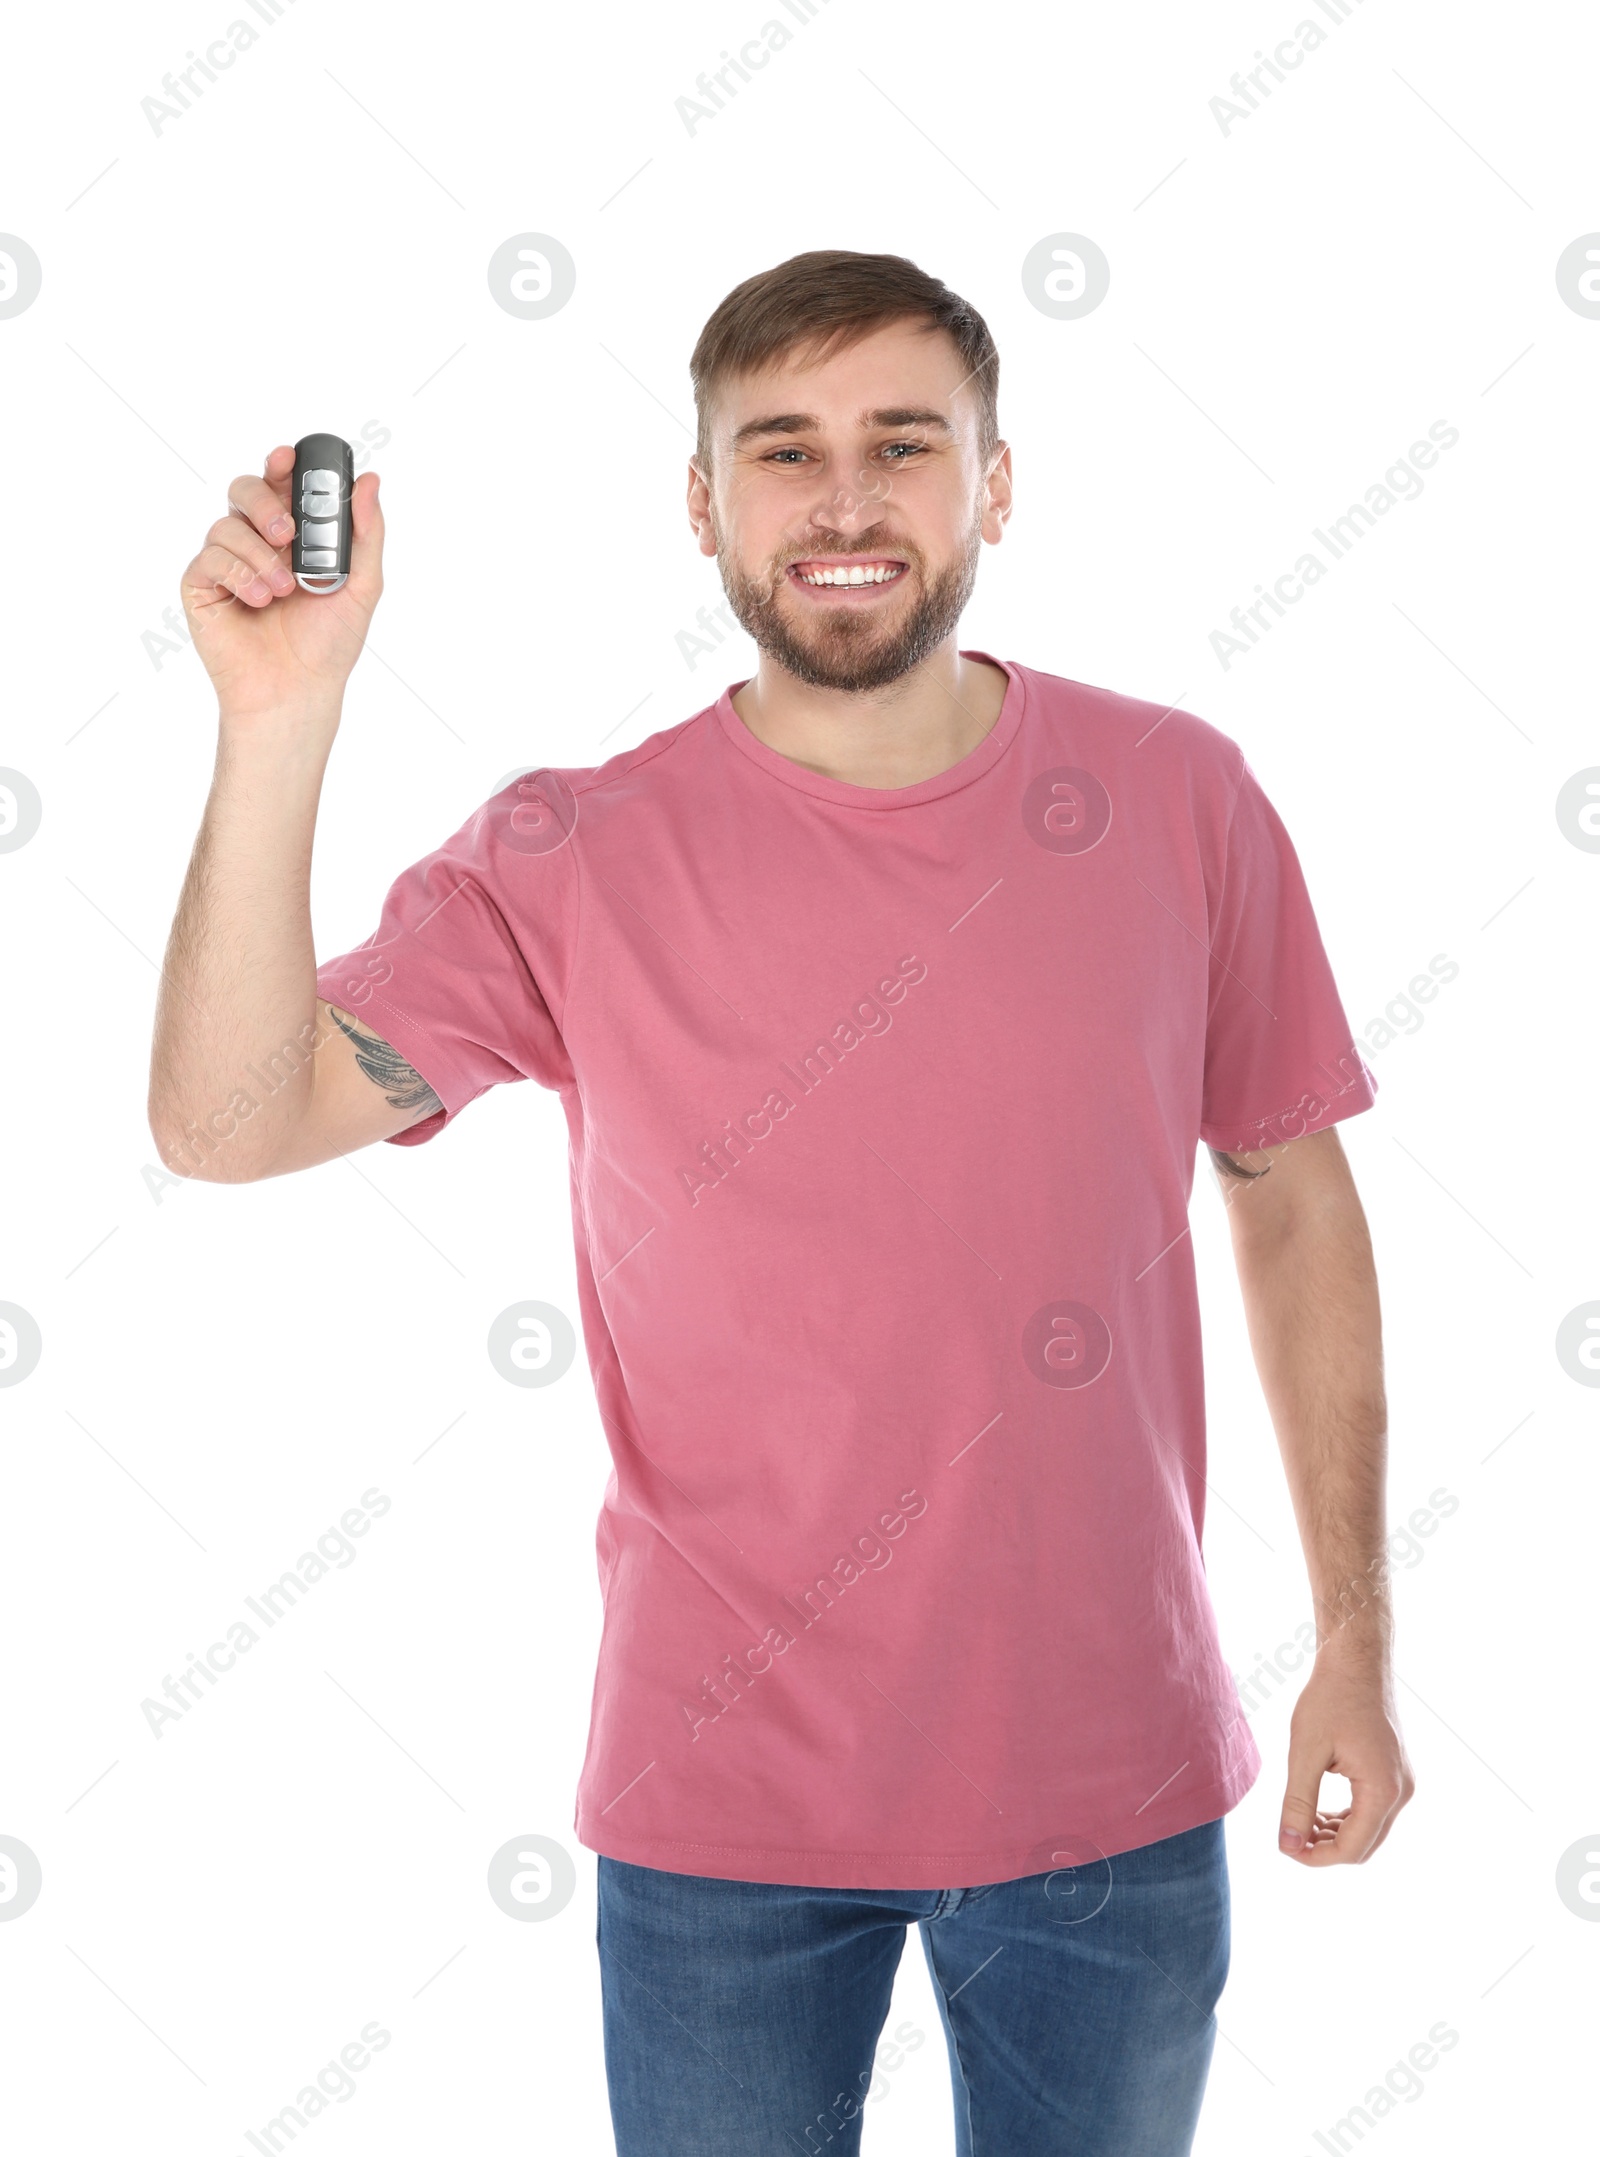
(324, 474)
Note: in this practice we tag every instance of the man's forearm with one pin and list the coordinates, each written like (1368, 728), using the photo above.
(238, 987)
(1311, 1301)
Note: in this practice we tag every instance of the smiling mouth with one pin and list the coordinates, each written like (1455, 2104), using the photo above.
(856, 575)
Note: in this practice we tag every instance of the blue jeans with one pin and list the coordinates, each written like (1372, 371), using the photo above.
(741, 2019)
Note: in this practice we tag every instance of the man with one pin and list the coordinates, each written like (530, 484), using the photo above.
(889, 998)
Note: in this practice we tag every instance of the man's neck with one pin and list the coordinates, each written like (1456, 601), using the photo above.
(909, 730)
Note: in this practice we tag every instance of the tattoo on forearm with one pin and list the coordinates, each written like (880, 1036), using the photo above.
(404, 1086)
(1226, 1165)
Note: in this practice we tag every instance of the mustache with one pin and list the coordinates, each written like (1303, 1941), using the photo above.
(872, 549)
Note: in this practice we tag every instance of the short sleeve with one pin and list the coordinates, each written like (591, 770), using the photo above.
(463, 974)
(1280, 1058)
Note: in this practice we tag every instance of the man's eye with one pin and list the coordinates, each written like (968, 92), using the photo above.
(791, 452)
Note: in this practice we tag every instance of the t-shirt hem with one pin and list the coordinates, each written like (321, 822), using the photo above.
(776, 1866)
(421, 1049)
(1313, 1111)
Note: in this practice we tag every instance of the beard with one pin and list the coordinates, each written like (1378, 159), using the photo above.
(841, 647)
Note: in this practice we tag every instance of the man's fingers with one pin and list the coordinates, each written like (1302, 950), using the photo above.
(1298, 1818)
(222, 569)
(1386, 1823)
(262, 506)
(366, 533)
(1362, 1826)
(278, 470)
(244, 541)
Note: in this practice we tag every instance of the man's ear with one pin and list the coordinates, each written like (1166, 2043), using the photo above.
(997, 497)
(699, 507)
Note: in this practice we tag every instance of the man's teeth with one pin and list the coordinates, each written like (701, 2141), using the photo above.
(882, 573)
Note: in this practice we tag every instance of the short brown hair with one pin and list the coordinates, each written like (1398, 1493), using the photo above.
(827, 300)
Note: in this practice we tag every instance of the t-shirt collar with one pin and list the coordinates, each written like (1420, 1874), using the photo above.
(962, 773)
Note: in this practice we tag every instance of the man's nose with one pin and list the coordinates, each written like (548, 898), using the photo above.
(844, 510)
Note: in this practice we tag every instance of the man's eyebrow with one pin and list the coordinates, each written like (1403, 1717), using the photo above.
(908, 415)
(898, 415)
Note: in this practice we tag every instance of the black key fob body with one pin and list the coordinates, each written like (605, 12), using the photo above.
(324, 474)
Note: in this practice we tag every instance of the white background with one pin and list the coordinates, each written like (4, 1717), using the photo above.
(226, 1370)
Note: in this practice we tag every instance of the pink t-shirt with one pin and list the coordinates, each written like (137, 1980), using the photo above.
(884, 1111)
